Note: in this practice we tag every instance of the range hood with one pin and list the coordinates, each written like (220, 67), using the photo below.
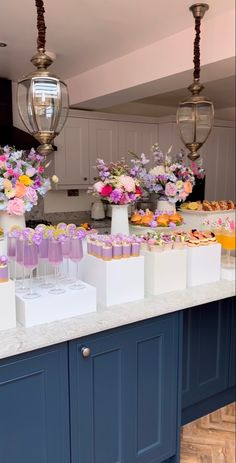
(10, 135)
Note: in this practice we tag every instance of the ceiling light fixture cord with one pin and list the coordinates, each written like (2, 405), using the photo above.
(196, 59)
(41, 40)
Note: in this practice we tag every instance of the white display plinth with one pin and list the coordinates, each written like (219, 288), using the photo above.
(117, 281)
(7, 305)
(203, 264)
(51, 307)
(165, 271)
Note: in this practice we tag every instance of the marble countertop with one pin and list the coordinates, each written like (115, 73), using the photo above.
(18, 340)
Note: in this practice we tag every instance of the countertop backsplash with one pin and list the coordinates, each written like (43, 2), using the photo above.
(78, 217)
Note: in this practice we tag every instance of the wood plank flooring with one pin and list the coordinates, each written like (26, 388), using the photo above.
(210, 439)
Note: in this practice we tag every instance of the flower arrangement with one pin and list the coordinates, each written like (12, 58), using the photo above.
(21, 180)
(117, 184)
(170, 178)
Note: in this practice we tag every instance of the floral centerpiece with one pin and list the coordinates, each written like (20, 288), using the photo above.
(170, 178)
(119, 186)
(21, 180)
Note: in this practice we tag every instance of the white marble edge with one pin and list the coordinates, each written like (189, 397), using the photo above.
(19, 340)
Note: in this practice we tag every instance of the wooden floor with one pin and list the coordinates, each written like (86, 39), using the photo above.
(210, 439)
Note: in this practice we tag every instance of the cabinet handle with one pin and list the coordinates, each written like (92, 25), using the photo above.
(85, 178)
(85, 351)
(94, 178)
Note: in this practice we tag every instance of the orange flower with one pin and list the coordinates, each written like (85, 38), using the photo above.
(188, 187)
(20, 190)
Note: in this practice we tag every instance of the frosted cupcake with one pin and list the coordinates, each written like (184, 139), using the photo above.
(126, 249)
(135, 248)
(117, 250)
(107, 251)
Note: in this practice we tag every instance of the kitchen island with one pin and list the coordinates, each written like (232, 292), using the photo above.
(115, 386)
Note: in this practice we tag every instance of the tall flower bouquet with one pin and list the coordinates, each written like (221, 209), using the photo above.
(117, 183)
(170, 178)
(21, 180)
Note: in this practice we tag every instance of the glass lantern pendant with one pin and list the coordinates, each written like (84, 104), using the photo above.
(42, 97)
(195, 115)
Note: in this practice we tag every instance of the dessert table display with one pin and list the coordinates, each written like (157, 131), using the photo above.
(109, 269)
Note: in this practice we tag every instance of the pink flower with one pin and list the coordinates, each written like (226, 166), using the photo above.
(31, 195)
(127, 183)
(10, 171)
(170, 189)
(182, 196)
(188, 188)
(41, 170)
(106, 190)
(98, 186)
(3, 158)
(15, 206)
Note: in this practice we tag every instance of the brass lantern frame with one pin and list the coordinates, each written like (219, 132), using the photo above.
(196, 87)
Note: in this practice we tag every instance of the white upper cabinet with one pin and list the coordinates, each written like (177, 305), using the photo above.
(71, 161)
(103, 143)
(136, 137)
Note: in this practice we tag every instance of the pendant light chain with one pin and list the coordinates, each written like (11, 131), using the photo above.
(41, 40)
(196, 50)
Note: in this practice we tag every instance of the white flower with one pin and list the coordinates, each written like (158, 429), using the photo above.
(158, 170)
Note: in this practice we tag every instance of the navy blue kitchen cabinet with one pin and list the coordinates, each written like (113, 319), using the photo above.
(206, 346)
(123, 391)
(232, 359)
(34, 410)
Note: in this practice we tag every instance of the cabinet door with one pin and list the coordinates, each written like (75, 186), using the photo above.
(72, 157)
(205, 351)
(34, 411)
(232, 362)
(123, 396)
(136, 137)
(103, 143)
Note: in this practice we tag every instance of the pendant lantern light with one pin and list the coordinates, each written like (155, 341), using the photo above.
(195, 115)
(42, 97)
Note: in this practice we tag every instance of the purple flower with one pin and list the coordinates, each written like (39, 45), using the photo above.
(153, 224)
(37, 238)
(172, 225)
(116, 195)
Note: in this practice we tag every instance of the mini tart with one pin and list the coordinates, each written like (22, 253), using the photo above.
(175, 218)
(136, 218)
(230, 205)
(193, 206)
(146, 219)
(163, 220)
(215, 205)
(206, 206)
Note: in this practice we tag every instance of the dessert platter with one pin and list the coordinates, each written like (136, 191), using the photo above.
(160, 241)
(208, 206)
(161, 220)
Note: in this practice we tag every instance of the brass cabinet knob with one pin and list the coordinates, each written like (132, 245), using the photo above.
(85, 351)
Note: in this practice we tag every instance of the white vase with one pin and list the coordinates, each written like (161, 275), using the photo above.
(165, 206)
(8, 221)
(119, 219)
